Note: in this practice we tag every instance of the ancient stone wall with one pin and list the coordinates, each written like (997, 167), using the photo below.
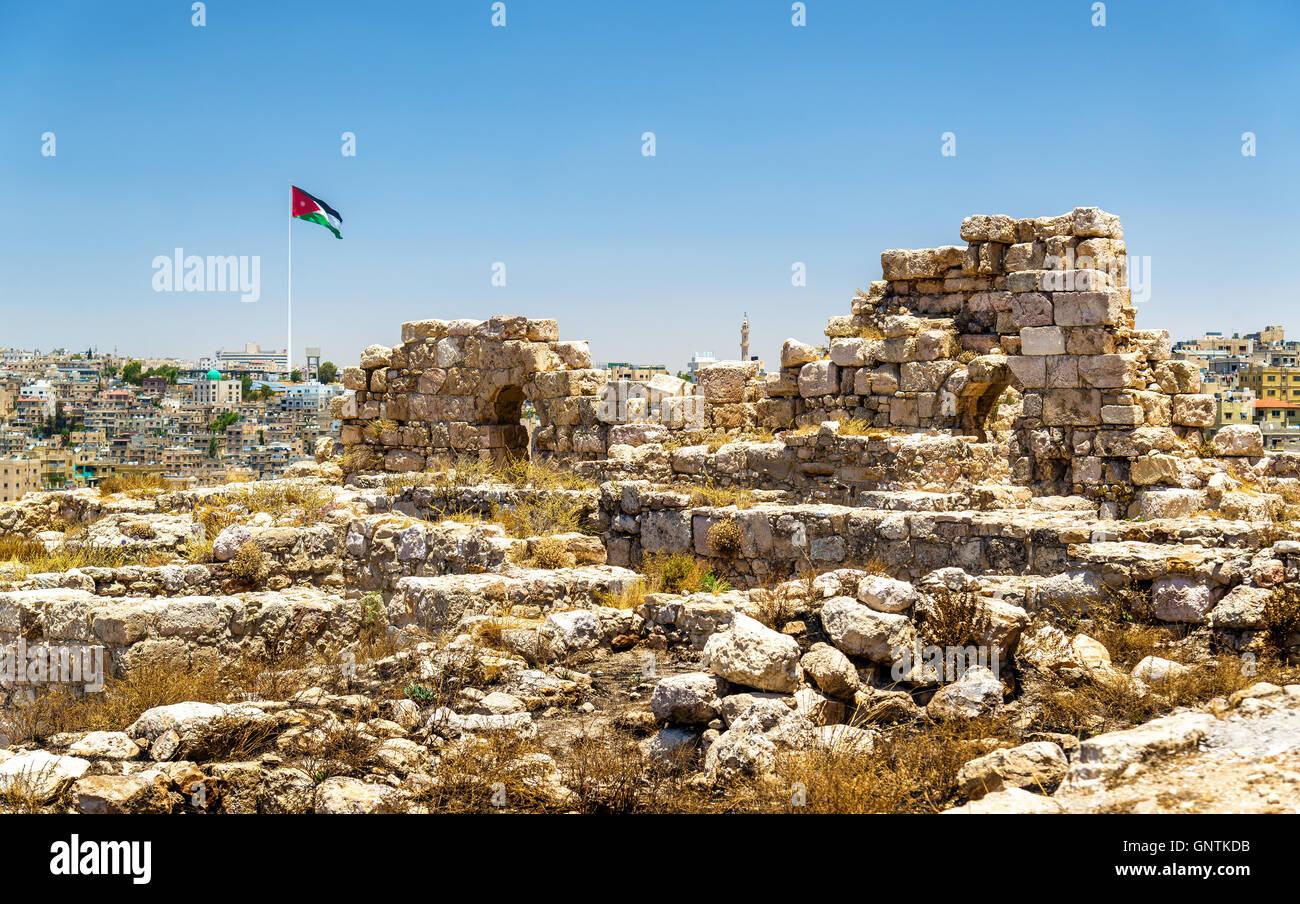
(1038, 305)
(459, 387)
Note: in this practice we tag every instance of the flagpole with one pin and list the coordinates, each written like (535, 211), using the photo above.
(288, 350)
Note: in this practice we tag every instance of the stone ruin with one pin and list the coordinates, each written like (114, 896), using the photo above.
(1028, 324)
(987, 426)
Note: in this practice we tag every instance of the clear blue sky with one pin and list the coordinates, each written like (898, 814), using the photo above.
(522, 144)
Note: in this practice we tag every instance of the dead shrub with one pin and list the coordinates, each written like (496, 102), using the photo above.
(725, 539)
(551, 553)
(1281, 621)
(249, 566)
(953, 618)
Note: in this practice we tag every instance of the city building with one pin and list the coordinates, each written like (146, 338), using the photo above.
(18, 476)
(253, 358)
(215, 392)
(621, 370)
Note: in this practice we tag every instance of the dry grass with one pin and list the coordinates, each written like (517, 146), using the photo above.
(856, 427)
(721, 497)
(501, 771)
(378, 427)
(630, 597)
(359, 459)
(676, 572)
(777, 607)
(910, 771)
(540, 515)
(24, 556)
(136, 484)
(552, 553)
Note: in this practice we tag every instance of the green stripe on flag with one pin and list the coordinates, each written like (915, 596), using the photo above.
(318, 217)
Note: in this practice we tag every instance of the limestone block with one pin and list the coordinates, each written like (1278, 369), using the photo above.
(575, 355)
(1062, 372)
(1177, 377)
(449, 352)
(984, 302)
(612, 408)
(818, 378)
(851, 352)
(1030, 309)
(663, 386)
(994, 228)
(1194, 410)
(1088, 222)
(903, 413)
(1127, 415)
(933, 344)
(1108, 371)
(1029, 371)
(722, 382)
(1042, 340)
(376, 356)
(796, 354)
(1023, 256)
(1154, 469)
(354, 378)
(1073, 280)
(419, 330)
(1071, 407)
(1087, 308)
(1239, 439)
(784, 384)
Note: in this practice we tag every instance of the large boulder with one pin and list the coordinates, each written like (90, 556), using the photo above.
(750, 746)
(885, 594)
(344, 795)
(977, 693)
(1179, 599)
(688, 699)
(831, 670)
(1238, 439)
(1038, 765)
(39, 776)
(1105, 756)
(753, 655)
(861, 631)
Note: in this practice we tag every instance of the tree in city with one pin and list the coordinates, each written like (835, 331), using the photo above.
(295, 376)
(222, 421)
(131, 372)
(328, 372)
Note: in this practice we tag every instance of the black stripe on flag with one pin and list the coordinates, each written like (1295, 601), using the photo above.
(329, 210)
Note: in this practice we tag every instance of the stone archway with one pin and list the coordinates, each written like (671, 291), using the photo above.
(507, 416)
(987, 377)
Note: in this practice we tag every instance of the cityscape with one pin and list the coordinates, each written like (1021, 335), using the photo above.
(71, 419)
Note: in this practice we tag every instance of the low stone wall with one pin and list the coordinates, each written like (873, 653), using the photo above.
(779, 541)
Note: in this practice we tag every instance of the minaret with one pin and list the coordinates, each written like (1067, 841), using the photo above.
(744, 338)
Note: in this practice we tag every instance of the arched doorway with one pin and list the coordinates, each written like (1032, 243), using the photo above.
(507, 416)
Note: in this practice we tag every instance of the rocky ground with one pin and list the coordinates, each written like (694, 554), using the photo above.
(316, 645)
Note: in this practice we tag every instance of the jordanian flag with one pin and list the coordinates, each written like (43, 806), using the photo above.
(314, 210)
